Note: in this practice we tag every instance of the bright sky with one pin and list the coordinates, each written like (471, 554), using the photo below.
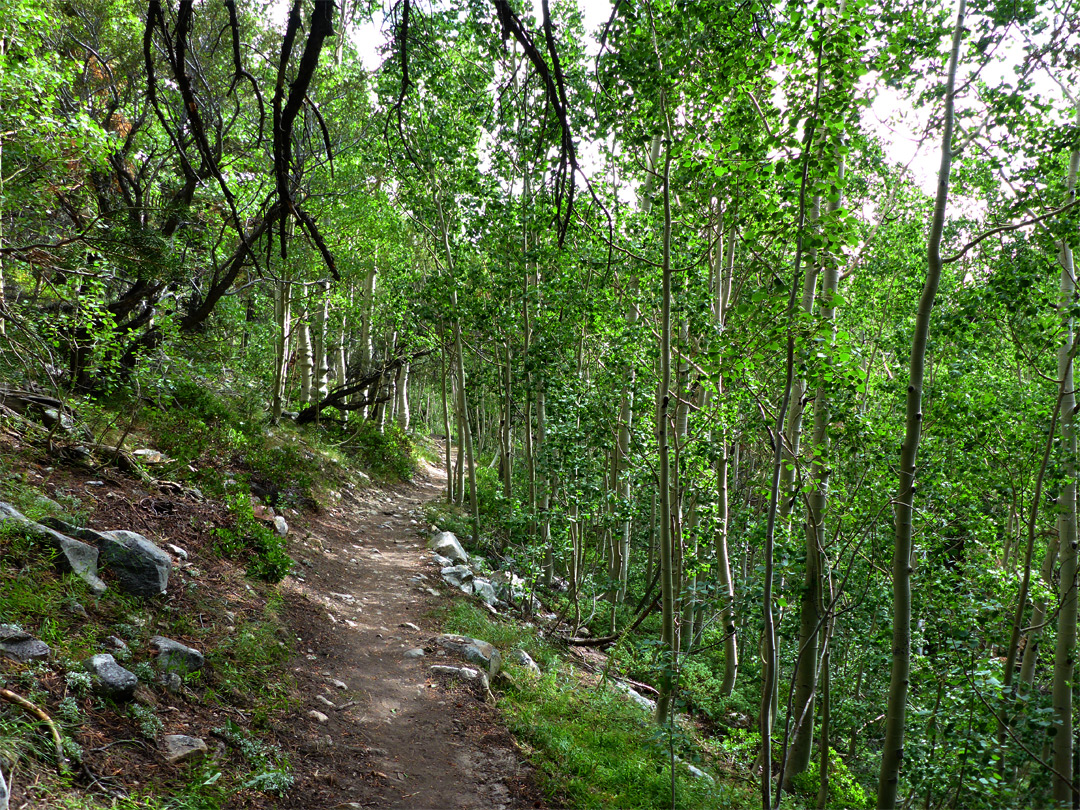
(896, 121)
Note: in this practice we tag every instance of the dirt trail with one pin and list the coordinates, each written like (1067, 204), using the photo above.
(394, 737)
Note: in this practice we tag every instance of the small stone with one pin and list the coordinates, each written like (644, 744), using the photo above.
(410, 626)
(20, 645)
(75, 609)
(523, 659)
(175, 657)
(473, 650)
(280, 526)
(415, 652)
(182, 748)
(116, 643)
(325, 701)
(318, 716)
(95, 483)
(339, 684)
(179, 552)
(111, 679)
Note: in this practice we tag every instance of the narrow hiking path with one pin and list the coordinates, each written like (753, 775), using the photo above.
(372, 728)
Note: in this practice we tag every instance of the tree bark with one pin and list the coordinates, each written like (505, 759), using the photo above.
(1065, 793)
(667, 584)
(896, 712)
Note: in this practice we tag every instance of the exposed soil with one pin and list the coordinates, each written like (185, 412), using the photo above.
(398, 738)
(395, 737)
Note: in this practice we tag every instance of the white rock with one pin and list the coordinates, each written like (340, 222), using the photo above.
(280, 526)
(318, 716)
(446, 544)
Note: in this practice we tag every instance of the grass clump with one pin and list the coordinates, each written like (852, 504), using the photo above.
(592, 748)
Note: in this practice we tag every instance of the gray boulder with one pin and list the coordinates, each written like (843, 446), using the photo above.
(72, 556)
(508, 585)
(182, 748)
(472, 650)
(111, 679)
(19, 645)
(525, 661)
(446, 544)
(174, 658)
(281, 527)
(441, 561)
(140, 567)
(457, 575)
(485, 591)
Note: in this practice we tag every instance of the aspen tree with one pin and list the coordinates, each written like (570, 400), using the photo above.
(896, 711)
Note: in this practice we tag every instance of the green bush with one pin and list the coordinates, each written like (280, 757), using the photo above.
(845, 793)
(387, 454)
(250, 540)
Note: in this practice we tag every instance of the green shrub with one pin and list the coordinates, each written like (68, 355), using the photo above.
(250, 540)
(845, 793)
(387, 454)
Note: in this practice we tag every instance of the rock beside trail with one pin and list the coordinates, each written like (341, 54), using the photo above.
(472, 650)
(111, 679)
(508, 585)
(174, 658)
(484, 591)
(140, 567)
(524, 660)
(20, 646)
(280, 526)
(182, 748)
(74, 556)
(465, 673)
(458, 575)
(446, 544)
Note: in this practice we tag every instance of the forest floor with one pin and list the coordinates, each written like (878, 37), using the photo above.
(397, 737)
(362, 724)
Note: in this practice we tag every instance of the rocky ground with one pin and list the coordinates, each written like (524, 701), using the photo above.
(366, 723)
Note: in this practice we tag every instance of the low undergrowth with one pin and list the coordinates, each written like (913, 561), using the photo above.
(591, 747)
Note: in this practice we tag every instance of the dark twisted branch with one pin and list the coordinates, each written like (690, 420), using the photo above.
(337, 396)
(555, 91)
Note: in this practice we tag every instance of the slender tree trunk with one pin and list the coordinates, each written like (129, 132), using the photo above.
(366, 350)
(401, 403)
(321, 370)
(282, 306)
(474, 506)
(506, 426)
(667, 583)
(305, 361)
(1065, 793)
(446, 416)
(810, 601)
(1038, 613)
(896, 712)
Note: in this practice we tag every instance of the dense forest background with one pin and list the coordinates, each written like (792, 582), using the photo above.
(794, 433)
